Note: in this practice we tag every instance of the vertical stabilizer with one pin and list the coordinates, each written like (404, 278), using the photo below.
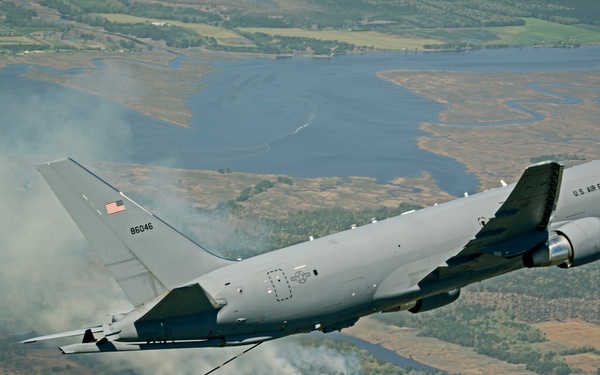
(144, 254)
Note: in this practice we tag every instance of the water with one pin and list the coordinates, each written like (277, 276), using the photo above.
(384, 354)
(335, 117)
(315, 117)
(298, 117)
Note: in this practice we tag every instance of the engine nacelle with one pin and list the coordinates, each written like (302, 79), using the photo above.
(557, 250)
(573, 244)
(433, 302)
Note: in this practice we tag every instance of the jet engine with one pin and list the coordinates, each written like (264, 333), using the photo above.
(571, 245)
(433, 302)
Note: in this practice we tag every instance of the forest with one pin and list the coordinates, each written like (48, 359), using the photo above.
(489, 331)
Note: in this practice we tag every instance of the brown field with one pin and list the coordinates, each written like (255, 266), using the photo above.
(575, 334)
(492, 152)
(44, 359)
(572, 334)
(15, 40)
(133, 80)
(71, 60)
(588, 363)
(458, 359)
(205, 189)
(452, 358)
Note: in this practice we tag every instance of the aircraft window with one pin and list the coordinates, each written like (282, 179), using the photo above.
(315, 272)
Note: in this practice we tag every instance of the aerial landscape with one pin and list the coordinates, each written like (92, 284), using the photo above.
(255, 125)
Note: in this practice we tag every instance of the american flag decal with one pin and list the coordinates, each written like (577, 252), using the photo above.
(114, 207)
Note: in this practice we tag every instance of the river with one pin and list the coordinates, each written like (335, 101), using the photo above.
(298, 117)
(301, 117)
(384, 354)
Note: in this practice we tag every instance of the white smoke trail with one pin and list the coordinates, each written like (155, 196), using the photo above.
(50, 279)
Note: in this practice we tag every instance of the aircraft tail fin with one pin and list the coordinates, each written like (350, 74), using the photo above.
(144, 254)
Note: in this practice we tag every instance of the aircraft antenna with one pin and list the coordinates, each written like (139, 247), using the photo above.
(237, 356)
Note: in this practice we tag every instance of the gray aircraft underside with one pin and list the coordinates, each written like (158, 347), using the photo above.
(185, 296)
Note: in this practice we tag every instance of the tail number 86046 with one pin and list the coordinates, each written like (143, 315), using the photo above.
(141, 228)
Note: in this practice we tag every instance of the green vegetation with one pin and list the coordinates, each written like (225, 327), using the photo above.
(455, 13)
(556, 157)
(363, 40)
(322, 27)
(278, 44)
(12, 358)
(19, 17)
(183, 14)
(16, 23)
(174, 36)
(551, 283)
(285, 180)
(489, 331)
(261, 187)
(546, 33)
(580, 350)
(221, 35)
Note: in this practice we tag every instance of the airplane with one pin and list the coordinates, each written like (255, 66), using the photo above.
(186, 297)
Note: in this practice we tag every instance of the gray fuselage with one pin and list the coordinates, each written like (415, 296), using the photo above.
(331, 282)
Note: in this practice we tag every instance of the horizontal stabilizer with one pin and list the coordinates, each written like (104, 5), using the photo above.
(77, 332)
(183, 301)
(112, 346)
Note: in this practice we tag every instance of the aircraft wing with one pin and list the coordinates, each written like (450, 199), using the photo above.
(519, 224)
(526, 211)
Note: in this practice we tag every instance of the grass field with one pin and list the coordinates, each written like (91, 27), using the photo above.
(11, 36)
(223, 36)
(229, 38)
(534, 32)
(377, 40)
(545, 32)
(16, 40)
(453, 358)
